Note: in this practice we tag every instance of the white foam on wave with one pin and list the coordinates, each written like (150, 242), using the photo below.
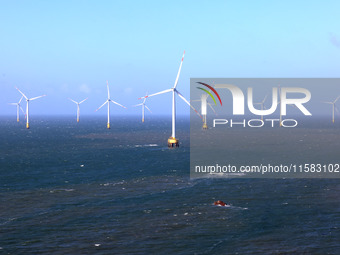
(146, 145)
(232, 207)
(7, 221)
(60, 190)
(113, 183)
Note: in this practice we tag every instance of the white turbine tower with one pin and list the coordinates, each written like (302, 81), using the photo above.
(27, 106)
(78, 103)
(333, 106)
(143, 107)
(262, 105)
(108, 105)
(18, 107)
(173, 141)
(279, 103)
(204, 103)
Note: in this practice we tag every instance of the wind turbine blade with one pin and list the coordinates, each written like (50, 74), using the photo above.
(264, 99)
(327, 102)
(22, 110)
(22, 93)
(73, 101)
(83, 100)
(146, 96)
(212, 108)
(137, 105)
(148, 109)
(37, 97)
(13, 103)
(179, 70)
(336, 99)
(162, 92)
(20, 100)
(102, 105)
(337, 110)
(181, 96)
(108, 90)
(118, 104)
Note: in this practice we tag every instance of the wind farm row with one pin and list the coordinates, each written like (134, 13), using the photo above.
(172, 141)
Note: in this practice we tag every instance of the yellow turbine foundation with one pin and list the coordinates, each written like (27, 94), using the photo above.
(143, 120)
(108, 125)
(173, 142)
(205, 126)
(27, 125)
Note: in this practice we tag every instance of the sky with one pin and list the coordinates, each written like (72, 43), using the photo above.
(71, 48)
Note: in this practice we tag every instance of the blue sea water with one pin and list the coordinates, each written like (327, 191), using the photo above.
(68, 188)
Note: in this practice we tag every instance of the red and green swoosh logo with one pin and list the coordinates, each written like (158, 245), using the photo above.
(209, 93)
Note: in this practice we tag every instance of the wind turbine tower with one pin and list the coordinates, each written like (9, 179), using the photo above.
(173, 141)
(27, 106)
(262, 106)
(143, 107)
(204, 112)
(333, 107)
(108, 105)
(78, 110)
(18, 107)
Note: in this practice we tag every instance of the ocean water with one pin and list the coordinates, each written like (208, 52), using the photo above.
(68, 188)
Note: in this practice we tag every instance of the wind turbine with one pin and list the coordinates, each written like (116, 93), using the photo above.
(108, 105)
(173, 141)
(18, 107)
(262, 105)
(279, 103)
(143, 106)
(78, 111)
(333, 106)
(27, 106)
(204, 111)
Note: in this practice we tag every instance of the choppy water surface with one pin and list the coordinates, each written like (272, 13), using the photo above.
(69, 188)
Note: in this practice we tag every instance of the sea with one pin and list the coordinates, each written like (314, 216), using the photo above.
(80, 188)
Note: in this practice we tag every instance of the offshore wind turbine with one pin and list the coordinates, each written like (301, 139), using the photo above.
(204, 111)
(143, 107)
(173, 141)
(78, 103)
(27, 106)
(333, 107)
(18, 107)
(108, 105)
(279, 103)
(262, 105)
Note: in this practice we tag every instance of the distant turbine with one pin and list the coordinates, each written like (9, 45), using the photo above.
(143, 106)
(173, 141)
(108, 105)
(18, 107)
(333, 106)
(279, 103)
(203, 108)
(27, 106)
(262, 105)
(78, 111)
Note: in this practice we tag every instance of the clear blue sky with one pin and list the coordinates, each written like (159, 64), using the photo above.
(70, 48)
